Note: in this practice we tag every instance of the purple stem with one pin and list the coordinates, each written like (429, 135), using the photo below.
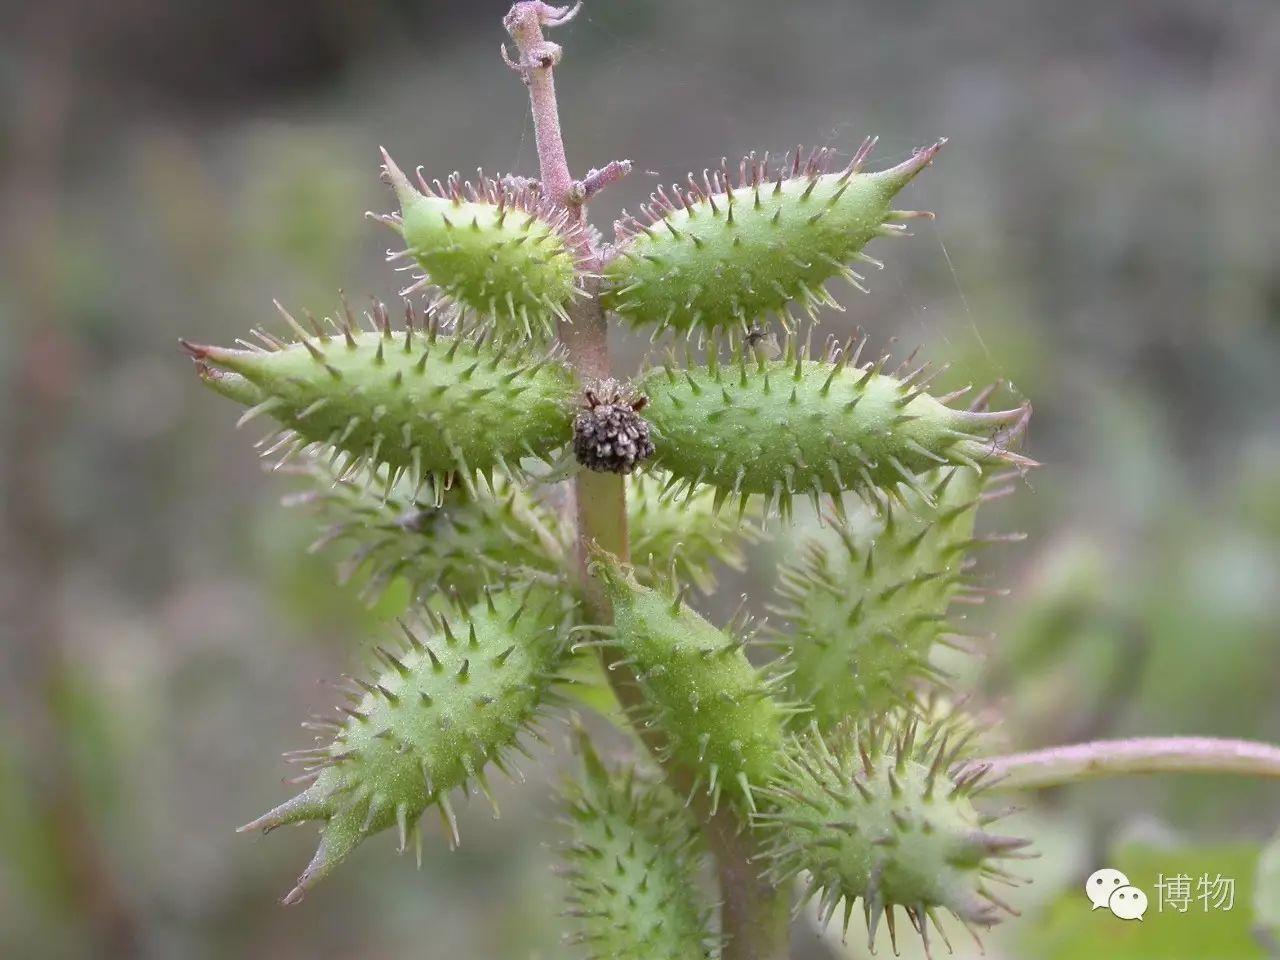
(1056, 766)
(597, 180)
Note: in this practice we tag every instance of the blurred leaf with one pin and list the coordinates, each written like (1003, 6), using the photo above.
(1071, 930)
(1266, 901)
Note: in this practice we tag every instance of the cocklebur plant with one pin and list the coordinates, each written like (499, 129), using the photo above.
(383, 534)
(545, 512)
(631, 863)
(870, 813)
(863, 611)
(449, 702)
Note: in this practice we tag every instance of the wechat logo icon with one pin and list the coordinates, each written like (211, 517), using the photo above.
(1111, 889)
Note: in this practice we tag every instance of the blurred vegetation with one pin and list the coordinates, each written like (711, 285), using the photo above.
(1107, 242)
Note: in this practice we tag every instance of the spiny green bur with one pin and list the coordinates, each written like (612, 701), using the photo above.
(470, 539)
(863, 609)
(721, 256)
(871, 813)
(688, 533)
(431, 404)
(417, 440)
(452, 700)
(465, 538)
(499, 250)
(631, 867)
(794, 425)
(714, 707)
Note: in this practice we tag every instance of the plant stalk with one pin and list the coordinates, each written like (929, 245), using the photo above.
(754, 914)
(1057, 766)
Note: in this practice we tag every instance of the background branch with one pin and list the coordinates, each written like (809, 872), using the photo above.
(1056, 766)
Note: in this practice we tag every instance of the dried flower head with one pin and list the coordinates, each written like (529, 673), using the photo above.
(609, 435)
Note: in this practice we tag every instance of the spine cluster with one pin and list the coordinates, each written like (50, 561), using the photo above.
(717, 254)
(464, 539)
(716, 710)
(864, 607)
(459, 540)
(870, 813)
(801, 426)
(497, 248)
(450, 701)
(631, 867)
(685, 535)
(422, 403)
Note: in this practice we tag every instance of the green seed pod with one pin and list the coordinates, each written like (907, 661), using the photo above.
(864, 609)
(872, 813)
(722, 256)
(796, 425)
(431, 404)
(453, 700)
(486, 534)
(498, 249)
(632, 867)
(687, 534)
(472, 538)
(716, 710)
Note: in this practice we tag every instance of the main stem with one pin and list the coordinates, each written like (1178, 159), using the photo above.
(754, 914)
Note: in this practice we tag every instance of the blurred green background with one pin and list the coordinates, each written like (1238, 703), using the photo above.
(1108, 242)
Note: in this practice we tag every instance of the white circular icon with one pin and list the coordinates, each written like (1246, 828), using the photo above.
(1102, 883)
(1128, 903)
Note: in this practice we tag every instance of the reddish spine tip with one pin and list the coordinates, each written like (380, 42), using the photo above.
(197, 351)
(294, 896)
(906, 170)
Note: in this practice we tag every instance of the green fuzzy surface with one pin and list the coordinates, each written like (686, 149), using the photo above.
(493, 247)
(863, 609)
(507, 263)
(451, 701)
(714, 707)
(727, 260)
(870, 813)
(428, 404)
(469, 540)
(631, 867)
(794, 425)
(474, 537)
(686, 533)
